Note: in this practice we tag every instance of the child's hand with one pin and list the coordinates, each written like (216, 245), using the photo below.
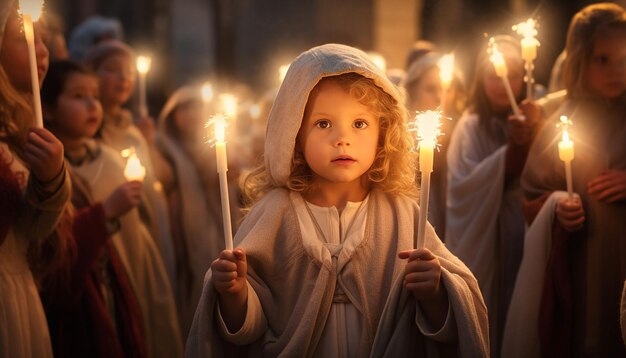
(422, 274)
(229, 272)
(44, 154)
(123, 199)
(522, 132)
(570, 214)
(609, 186)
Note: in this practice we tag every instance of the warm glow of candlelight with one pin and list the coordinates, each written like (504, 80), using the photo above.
(528, 30)
(282, 72)
(143, 64)
(34, 8)
(134, 170)
(207, 92)
(497, 59)
(229, 104)
(566, 146)
(428, 127)
(254, 111)
(378, 60)
(219, 123)
(446, 70)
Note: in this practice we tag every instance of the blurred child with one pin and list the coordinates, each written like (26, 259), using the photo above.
(424, 92)
(579, 311)
(35, 159)
(325, 264)
(113, 61)
(484, 222)
(74, 113)
(194, 193)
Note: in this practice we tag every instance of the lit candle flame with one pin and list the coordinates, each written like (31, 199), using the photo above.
(565, 123)
(143, 64)
(127, 152)
(428, 127)
(207, 92)
(33, 8)
(446, 69)
(219, 123)
(528, 28)
(134, 170)
(497, 59)
(229, 104)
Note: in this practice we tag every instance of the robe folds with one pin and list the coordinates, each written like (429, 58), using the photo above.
(295, 284)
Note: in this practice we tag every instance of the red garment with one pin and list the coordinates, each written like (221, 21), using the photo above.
(10, 194)
(556, 313)
(79, 321)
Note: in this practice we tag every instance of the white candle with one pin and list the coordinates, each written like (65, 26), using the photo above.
(529, 45)
(143, 67)
(222, 169)
(428, 129)
(499, 64)
(446, 71)
(566, 154)
(31, 11)
(134, 170)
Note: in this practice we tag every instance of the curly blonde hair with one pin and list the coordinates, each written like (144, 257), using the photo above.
(393, 170)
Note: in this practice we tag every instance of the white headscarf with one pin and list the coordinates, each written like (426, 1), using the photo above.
(288, 109)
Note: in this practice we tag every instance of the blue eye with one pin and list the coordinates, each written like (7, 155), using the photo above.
(323, 123)
(360, 124)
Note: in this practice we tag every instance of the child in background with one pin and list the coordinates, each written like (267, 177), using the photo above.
(579, 308)
(194, 193)
(35, 158)
(324, 264)
(113, 61)
(89, 301)
(424, 92)
(484, 221)
(73, 112)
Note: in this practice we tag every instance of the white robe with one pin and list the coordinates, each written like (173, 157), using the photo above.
(140, 257)
(23, 324)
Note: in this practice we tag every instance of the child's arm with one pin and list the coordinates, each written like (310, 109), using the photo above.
(229, 279)
(423, 279)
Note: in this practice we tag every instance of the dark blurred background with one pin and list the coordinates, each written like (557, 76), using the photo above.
(247, 40)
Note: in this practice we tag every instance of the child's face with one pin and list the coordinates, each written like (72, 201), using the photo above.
(78, 112)
(187, 118)
(494, 86)
(117, 79)
(14, 55)
(338, 136)
(426, 93)
(607, 69)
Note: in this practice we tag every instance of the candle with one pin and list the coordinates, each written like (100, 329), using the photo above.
(229, 105)
(133, 170)
(428, 126)
(499, 64)
(31, 11)
(446, 71)
(219, 123)
(529, 45)
(566, 154)
(143, 67)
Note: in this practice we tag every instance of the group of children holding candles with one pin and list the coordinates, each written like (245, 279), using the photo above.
(325, 260)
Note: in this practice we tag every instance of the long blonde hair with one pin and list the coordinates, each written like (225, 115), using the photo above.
(16, 114)
(585, 27)
(393, 170)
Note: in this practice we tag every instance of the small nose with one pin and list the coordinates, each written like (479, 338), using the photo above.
(343, 138)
